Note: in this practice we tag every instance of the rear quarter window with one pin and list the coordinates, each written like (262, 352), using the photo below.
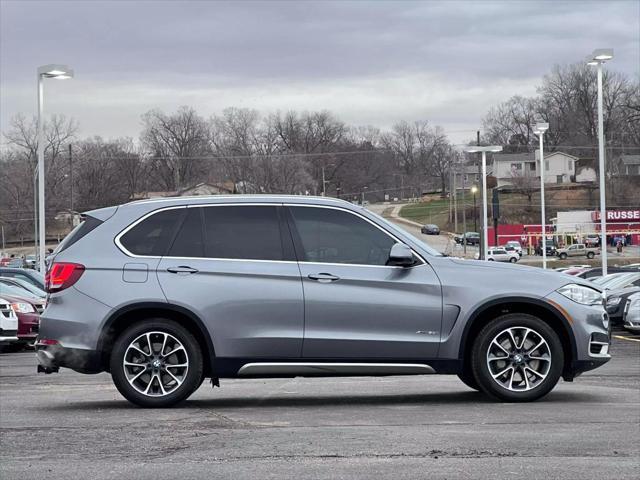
(153, 235)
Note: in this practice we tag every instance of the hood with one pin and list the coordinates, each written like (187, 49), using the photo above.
(31, 301)
(526, 273)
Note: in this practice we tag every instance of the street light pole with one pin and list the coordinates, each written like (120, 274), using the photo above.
(41, 179)
(597, 58)
(603, 175)
(475, 211)
(485, 226)
(474, 190)
(46, 71)
(35, 212)
(540, 128)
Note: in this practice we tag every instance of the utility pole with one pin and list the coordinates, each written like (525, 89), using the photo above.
(455, 198)
(464, 208)
(324, 184)
(71, 179)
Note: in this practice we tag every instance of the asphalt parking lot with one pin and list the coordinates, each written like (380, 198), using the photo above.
(69, 425)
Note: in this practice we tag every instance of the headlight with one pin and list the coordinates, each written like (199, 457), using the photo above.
(613, 301)
(581, 294)
(20, 307)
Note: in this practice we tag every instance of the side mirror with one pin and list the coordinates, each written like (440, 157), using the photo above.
(400, 256)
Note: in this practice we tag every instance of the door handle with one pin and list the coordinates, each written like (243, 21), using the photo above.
(182, 269)
(324, 277)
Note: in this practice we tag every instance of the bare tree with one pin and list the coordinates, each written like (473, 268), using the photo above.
(176, 144)
(525, 185)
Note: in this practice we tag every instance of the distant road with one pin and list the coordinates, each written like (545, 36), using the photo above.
(443, 243)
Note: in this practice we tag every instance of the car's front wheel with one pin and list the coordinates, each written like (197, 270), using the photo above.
(517, 358)
(156, 363)
(513, 259)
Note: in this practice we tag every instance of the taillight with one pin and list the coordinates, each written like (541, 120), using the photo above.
(62, 275)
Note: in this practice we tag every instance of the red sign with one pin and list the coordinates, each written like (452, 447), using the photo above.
(617, 215)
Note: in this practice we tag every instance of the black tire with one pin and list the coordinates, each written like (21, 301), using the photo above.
(563, 256)
(479, 363)
(491, 260)
(467, 378)
(513, 260)
(590, 255)
(194, 374)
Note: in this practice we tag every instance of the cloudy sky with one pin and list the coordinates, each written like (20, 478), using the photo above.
(370, 62)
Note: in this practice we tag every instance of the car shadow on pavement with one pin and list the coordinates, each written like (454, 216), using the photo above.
(285, 401)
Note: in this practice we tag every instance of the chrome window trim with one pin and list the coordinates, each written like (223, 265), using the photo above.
(123, 249)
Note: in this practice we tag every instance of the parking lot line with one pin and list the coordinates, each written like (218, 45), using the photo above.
(620, 337)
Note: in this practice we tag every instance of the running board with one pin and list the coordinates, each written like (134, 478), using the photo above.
(304, 369)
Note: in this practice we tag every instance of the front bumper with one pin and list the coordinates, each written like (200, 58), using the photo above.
(8, 337)
(591, 332)
(52, 357)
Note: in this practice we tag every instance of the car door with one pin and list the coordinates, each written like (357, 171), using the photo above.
(501, 255)
(355, 305)
(235, 268)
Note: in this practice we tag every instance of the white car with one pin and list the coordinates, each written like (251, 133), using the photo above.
(8, 323)
(516, 246)
(501, 255)
(631, 317)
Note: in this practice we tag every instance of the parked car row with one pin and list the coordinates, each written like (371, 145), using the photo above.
(622, 289)
(22, 300)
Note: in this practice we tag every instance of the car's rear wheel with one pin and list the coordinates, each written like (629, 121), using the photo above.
(517, 358)
(156, 363)
(590, 255)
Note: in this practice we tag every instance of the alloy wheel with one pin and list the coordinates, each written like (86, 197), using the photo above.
(156, 364)
(519, 359)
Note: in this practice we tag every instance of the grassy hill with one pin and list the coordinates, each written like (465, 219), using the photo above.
(515, 208)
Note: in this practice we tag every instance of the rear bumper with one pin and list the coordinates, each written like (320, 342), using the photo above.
(52, 357)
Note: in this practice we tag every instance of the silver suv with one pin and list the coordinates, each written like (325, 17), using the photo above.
(165, 293)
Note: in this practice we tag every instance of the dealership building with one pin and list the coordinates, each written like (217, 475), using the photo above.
(583, 222)
(573, 227)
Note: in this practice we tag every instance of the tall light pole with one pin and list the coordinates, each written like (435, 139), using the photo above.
(59, 72)
(485, 227)
(474, 190)
(539, 130)
(597, 58)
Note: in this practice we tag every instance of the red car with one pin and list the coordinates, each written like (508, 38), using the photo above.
(28, 317)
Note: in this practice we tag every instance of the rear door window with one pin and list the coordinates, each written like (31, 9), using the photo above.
(153, 235)
(250, 232)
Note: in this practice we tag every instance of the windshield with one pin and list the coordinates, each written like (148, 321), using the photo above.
(18, 283)
(605, 280)
(17, 292)
(622, 281)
